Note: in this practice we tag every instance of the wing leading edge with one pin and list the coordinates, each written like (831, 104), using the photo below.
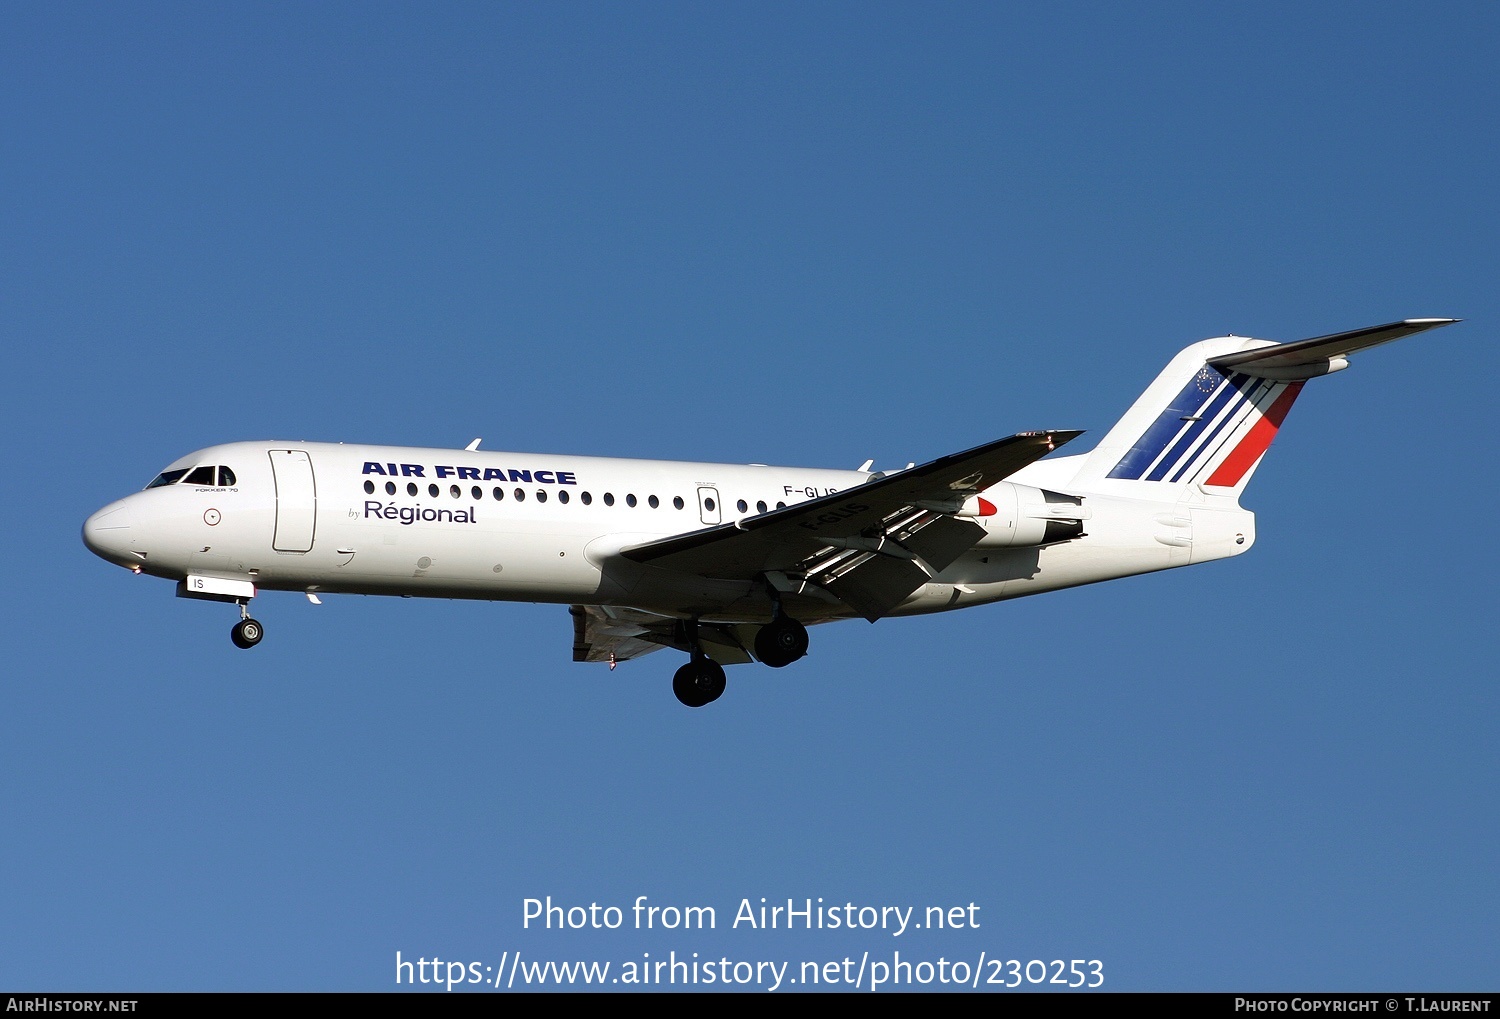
(867, 547)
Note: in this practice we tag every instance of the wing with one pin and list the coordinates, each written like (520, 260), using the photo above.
(867, 547)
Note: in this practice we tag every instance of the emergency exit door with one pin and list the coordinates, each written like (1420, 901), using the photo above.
(708, 505)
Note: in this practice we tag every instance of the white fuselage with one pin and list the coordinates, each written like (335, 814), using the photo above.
(334, 518)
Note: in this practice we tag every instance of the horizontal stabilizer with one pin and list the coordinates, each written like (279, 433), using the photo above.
(1321, 354)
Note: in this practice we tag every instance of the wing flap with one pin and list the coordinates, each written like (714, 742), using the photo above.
(608, 633)
(600, 637)
(877, 584)
(943, 540)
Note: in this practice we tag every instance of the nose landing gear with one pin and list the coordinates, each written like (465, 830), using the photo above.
(247, 632)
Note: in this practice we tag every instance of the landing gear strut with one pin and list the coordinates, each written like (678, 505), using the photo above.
(699, 682)
(247, 632)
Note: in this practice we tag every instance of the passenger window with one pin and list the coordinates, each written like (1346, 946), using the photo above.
(677, 502)
(432, 491)
(743, 506)
(390, 488)
(630, 501)
(653, 502)
(168, 478)
(781, 505)
(541, 495)
(477, 492)
(609, 498)
(411, 488)
(226, 477)
(520, 496)
(760, 507)
(588, 500)
(455, 491)
(709, 505)
(369, 487)
(200, 476)
(562, 495)
(499, 493)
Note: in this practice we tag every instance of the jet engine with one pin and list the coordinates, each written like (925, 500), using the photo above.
(1019, 515)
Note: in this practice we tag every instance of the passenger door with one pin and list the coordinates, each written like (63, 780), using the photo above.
(296, 500)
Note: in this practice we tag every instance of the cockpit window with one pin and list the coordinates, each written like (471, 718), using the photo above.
(203, 476)
(168, 478)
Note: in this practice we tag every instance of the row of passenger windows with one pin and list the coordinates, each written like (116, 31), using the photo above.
(562, 494)
(200, 476)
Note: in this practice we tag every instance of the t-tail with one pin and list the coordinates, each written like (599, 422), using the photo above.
(1212, 413)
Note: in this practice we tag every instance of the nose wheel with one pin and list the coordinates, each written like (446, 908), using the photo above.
(247, 632)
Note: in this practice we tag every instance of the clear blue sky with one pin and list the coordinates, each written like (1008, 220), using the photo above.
(773, 234)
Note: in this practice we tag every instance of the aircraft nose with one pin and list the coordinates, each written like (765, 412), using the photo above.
(107, 534)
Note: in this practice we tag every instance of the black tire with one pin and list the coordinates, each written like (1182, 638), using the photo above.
(699, 682)
(247, 633)
(711, 680)
(780, 643)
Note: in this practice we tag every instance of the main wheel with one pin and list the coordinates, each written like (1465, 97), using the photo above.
(781, 642)
(699, 682)
(246, 633)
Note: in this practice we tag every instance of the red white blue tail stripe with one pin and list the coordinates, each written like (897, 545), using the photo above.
(1214, 430)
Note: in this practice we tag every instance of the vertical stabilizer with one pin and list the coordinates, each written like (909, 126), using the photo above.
(1209, 417)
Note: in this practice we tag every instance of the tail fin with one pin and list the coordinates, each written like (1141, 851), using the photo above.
(1212, 413)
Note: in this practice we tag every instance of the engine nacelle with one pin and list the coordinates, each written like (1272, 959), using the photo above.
(1019, 515)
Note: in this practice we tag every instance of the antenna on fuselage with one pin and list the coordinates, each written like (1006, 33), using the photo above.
(471, 447)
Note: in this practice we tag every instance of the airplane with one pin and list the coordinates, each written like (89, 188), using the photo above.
(729, 562)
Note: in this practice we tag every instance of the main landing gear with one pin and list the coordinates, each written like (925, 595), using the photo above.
(781, 641)
(699, 682)
(247, 632)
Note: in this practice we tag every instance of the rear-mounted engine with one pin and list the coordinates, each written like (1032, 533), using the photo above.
(1019, 515)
